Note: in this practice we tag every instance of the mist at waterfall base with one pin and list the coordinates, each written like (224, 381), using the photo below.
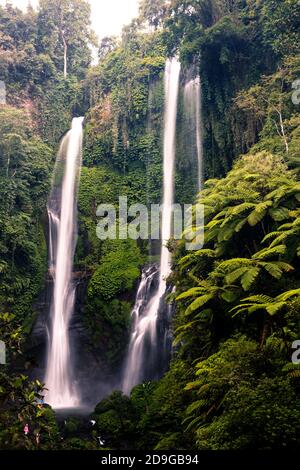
(150, 345)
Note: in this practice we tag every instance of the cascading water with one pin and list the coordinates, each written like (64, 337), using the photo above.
(193, 128)
(62, 210)
(145, 317)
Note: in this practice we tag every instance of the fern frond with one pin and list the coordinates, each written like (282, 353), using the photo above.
(232, 277)
(269, 252)
(259, 212)
(288, 295)
(279, 214)
(249, 278)
(190, 293)
(198, 303)
(274, 270)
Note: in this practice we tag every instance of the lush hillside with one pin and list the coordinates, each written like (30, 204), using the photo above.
(231, 384)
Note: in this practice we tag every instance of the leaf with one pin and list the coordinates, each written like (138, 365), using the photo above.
(226, 233)
(292, 369)
(271, 235)
(234, 275)
(193, 385)
(260, 298)
(269, 252)
(274, 308)
(198, 254)
(283, 266)
(18, 383)
(256, 307)
(274, 270)
(295, 374)
(280, 240)
(190, 293)
(287, 295)
(259, 212)
(279, 214)
(249, 278)
(193, 423)
(236, 210)
(229, 296)
(196, 406)
(198, 303)
(240, 225)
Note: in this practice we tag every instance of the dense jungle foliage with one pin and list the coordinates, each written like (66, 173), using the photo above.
(231, 383)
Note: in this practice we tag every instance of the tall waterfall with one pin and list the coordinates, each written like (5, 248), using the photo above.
(144, 331)
(192, 112)
(62, 210)
(136, 351)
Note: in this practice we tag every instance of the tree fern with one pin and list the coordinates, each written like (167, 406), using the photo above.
(258, 213)
(263, 302)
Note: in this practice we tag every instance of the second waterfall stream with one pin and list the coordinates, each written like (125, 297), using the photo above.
(62, 212)
(145, 316)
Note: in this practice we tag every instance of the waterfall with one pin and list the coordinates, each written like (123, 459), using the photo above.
(144, 339)
(62, 210)
(193, 128)
(135, 356)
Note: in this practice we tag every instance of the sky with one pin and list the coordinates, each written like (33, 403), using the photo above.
(108, 16)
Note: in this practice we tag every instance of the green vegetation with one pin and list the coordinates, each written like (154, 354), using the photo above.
(20, 399)
(231, 383)
(110, 296)
(25, 166)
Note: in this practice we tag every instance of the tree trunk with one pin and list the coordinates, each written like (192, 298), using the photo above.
(283, 133)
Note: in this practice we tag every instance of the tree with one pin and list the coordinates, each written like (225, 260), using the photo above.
(270, 110)
(25, 166)
(239, 403)
(107, 45)
(281, 26)
(153, 11)
(244, 212)
(64, 32)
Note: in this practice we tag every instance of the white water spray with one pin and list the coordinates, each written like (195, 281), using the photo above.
(192, 108)
(145, 322)
(61, 392)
